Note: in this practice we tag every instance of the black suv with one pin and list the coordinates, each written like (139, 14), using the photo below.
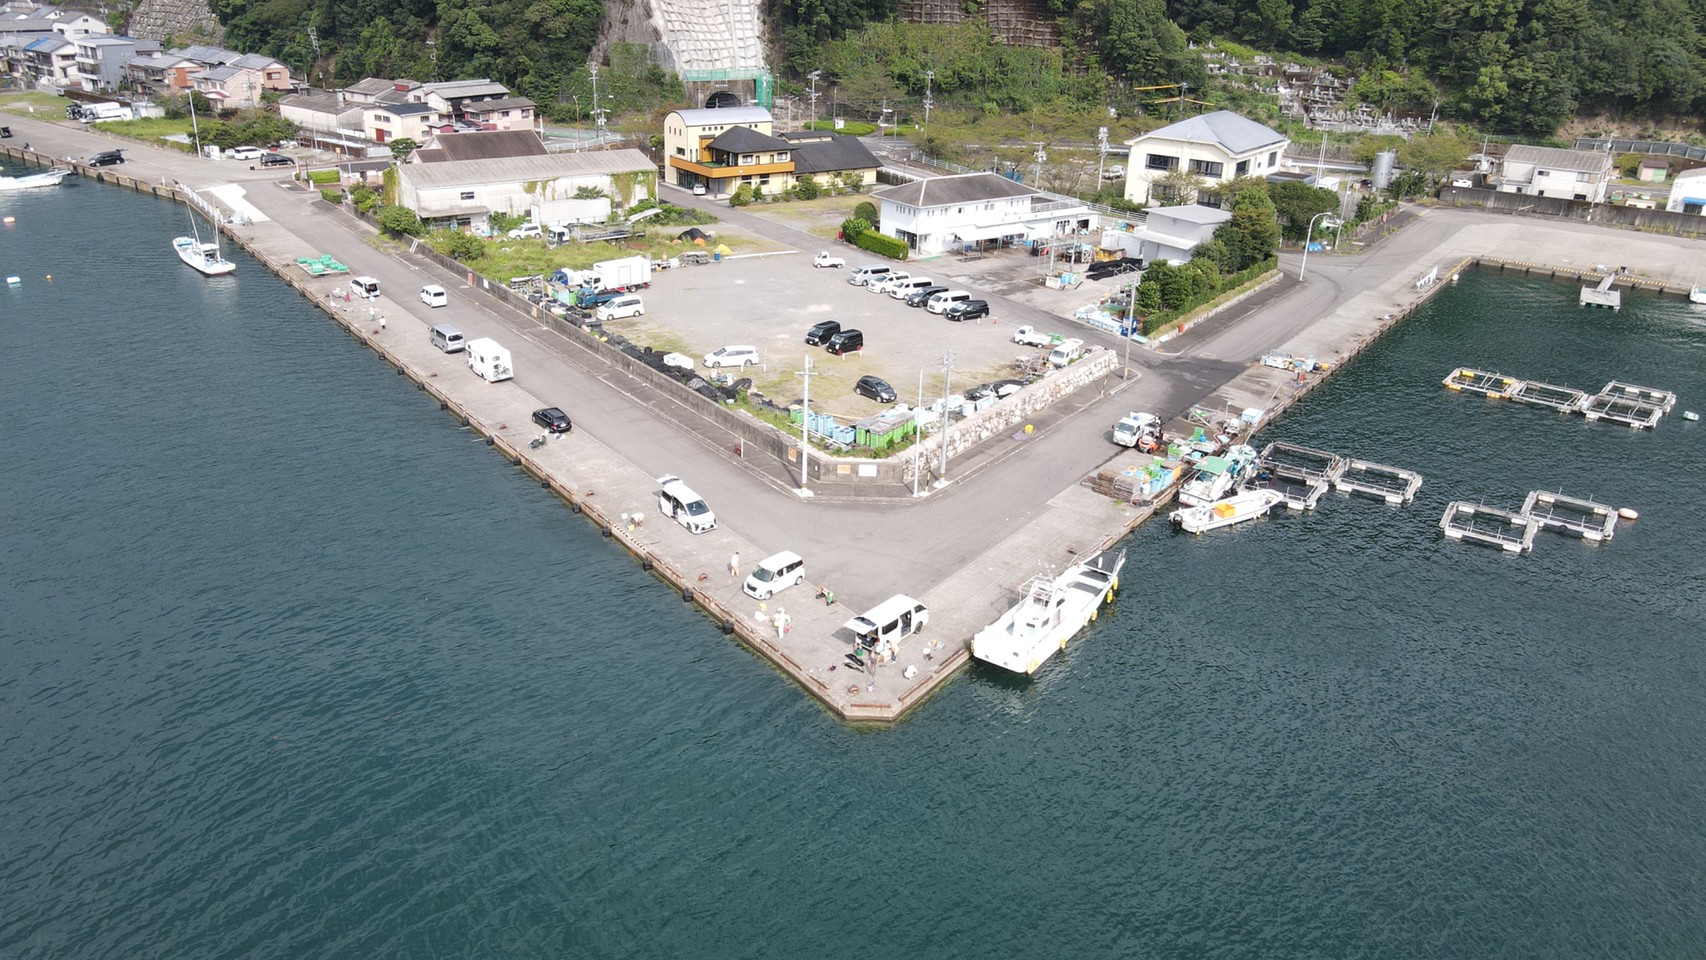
(921, 297)
(876, 388)
(553, 419)
(107, 159)
(968, 310)
(276, 160)
(820, 332)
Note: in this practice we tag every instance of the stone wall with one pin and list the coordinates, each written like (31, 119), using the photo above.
(164, 19)
(1653, 221)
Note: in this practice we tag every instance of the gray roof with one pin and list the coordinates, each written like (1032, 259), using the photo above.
(1234, 133)
(402, 109)
(482, 145)
(1552, 158)
(461, 89)
(208, 54)
(498, 103)
(326, 103)
(374, 86)
(747, 140)
(816, 153)
(514, 169)
(255, 61)
(220, 74)
(946, 191)
(1193, 213)
(698, 118)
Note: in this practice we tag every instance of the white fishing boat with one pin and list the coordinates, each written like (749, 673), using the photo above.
(202, 256)
(1216, 476)
(1052, 611)
(47, 178)
(1696, 293)
(1234, 509)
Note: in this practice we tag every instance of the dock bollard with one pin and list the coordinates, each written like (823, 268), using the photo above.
(686, 594)
(728, 626)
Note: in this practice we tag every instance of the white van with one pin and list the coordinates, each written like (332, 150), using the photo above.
(433, 295)
(446, 338)
(737, 356)
(678, 502)
(627, 305)
(901, 289)
(883, 283)
(942, 301)
(773, 574)
(488, 360)
(890, 622)
(366, 288)
(864, 275)
(1066, 351)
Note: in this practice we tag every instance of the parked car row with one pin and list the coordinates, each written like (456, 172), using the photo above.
(923, 292)
(832, 336)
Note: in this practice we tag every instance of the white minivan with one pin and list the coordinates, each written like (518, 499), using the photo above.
(433, 295)
(901, 289)
(447, 338)
(1066, 351)
(678, 502)
(942, 301)
(366, 288)
(864, 275)
(883, 283)
(773, 574)
(737, 356)
(627, 305)
(890, 622)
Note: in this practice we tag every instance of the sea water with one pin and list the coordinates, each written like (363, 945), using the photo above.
(271, 688)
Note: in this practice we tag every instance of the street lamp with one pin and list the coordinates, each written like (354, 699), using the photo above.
(813, 78)
(1326, 218)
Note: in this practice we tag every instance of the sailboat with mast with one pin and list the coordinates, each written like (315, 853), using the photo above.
(201, 256)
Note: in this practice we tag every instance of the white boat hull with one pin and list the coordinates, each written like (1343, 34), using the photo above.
(47, 178)
(1050, 614)
(1235, 509)
(203, 257)
(1697, 295)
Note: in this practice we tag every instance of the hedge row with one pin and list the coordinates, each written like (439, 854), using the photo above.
(882, 245)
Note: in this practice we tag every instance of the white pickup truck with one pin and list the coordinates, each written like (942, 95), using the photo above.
(1135, 427)
(827, 259)
(1031, 337)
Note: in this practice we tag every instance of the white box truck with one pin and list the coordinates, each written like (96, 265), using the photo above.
(627, 273)
(95, 112)
(489, 360)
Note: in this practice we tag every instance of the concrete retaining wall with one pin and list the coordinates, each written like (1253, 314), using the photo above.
(1652, 221)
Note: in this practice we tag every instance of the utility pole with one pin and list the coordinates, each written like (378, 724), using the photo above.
(1130, 331)
(1101, 153)
(805, 420)
(1040, 157)
(813, 78)
(929, 75)
(947, 378)
(597, 109)
(917, 433)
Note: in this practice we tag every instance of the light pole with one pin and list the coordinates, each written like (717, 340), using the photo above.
(929, 75)
(917, 433)
(947, 378)
(1325, 217)
(1101, 153)
(813, 78)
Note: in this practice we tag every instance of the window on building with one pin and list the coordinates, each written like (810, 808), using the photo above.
(1160, 161)
(1208, 168)
(1583, 177)
(1273, 158)
(1542, 173)
(467, 194)
(1243, 168)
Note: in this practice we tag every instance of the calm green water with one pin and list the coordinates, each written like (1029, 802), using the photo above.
(291, 668)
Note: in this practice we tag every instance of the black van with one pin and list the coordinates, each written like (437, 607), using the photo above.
(106, 159)
(846, 341)
(821, 332)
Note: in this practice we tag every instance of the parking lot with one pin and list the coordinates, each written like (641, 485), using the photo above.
(769, 302)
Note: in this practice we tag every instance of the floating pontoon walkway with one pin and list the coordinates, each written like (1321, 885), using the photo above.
(1618, 402)
(1395, 485)
(1489, 526)
(1561, 399)
(1298, 494)
(1571, 515)
(1603, 295)
(1469, 380)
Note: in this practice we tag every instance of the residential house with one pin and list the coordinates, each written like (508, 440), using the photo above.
(499, 113)
(161, 73)
(52, 60)
(76, 25)
(480, 145)
(1212, 148)
(230, 87)
(464, 193)
(274, 74)
(101, 59)
(1688, 192)
(1170, 234)
(1551, 172)
(941, 214)
(452, 96)
(385, 122)
(379, 90)
(832, 156)
(326, 120)
(687, 134)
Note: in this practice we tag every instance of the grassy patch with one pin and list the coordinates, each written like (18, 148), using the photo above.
(151, 128)
(22, 100)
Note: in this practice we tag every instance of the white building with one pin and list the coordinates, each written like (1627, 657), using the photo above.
(946, 213)
(1215, 147)
(1550, 172)
(1171, 233)
(462, 193)
(1688, 192)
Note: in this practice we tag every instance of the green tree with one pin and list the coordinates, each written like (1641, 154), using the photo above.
(852, 227)
(458, 244)
(865, 210)
(1297, 203)
(806, 188)
(742, 196)
(399, 221)
(402, 147)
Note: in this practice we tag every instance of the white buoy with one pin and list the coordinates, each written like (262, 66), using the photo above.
(1690, 415)
(9, 220)
(1629, 514)
(13, 281)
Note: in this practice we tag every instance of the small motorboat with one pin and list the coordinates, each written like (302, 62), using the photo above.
(1224, 513)
(47, 178)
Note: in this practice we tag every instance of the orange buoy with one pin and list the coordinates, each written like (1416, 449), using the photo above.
(1629, 514)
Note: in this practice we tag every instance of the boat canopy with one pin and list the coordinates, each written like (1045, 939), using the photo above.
(1214, 465)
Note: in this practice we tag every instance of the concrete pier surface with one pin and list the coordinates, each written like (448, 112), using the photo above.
(1012, 507)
